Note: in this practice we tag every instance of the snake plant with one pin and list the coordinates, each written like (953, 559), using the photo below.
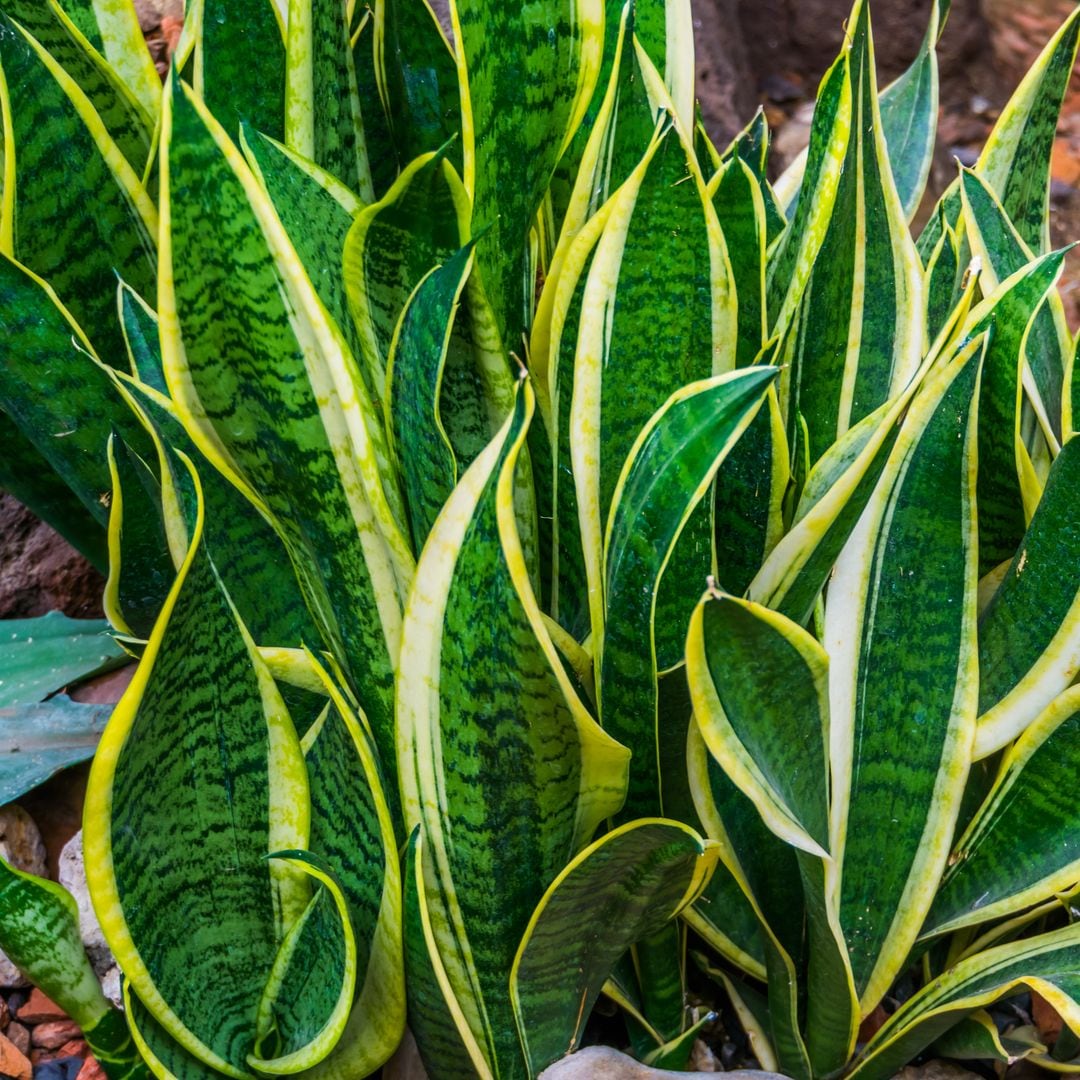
(561, 561)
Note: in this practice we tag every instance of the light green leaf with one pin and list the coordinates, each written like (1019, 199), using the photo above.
(39, 740)
(527, 75)
(322, 101)
(859, 333)
(233, 292)
(228, 34)
(1048, 964)
(112, 26)
(909, 113)
(180, 819)
(42, 655)
(1021, 847)
(79, 217)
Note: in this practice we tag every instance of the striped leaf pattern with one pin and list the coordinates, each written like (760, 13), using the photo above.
(447, 366)
(544, 773)
(631, 882)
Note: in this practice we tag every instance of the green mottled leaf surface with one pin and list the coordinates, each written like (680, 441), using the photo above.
(628, 885)
(71, 221)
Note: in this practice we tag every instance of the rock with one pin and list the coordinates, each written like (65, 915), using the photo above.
(702, 1058)
(5, 1014)
(20, 845)
(936, 1070)
(112, 988)
(54, 1034)
(20, 841)
(78, 1048)
(91, 1070)
(58, 1069)
(40, 1009)
(13, 1062)
(40, 571)
(605, 1063)
(72, 875)
(10, 976)
(19, 1034)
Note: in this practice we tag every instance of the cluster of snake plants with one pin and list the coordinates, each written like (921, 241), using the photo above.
(558, 559)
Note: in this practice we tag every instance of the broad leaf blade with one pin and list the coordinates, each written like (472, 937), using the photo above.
(75, 216)
(1021, 847)
(665, 478)
(498, 834)
(627, 885)
(42, 655)
(228, 787)
(299, 446)
(1049, 964)
(902, 715)
(1029, 635)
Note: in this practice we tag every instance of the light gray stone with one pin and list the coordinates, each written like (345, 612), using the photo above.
(20, 845)
(72, 875)
(605, 1063)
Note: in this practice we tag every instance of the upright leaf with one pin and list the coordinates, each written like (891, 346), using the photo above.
(526, 77)
(76, 218)
(236, 90)
(903, 680)
(858, 336)
(182, 816)
(909, 112)
(999, 866)
(543, 774)
(419, 79)
(322, 103)
(1029, 634)
(666, 476)
(298, 444)
(629, 884)
(56, 392)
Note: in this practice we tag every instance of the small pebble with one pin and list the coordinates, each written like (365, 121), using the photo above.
(39, 1009)
(54, 1033)
(13, 1062)
(91, 1070)
(19, 1034)
(59, 1069)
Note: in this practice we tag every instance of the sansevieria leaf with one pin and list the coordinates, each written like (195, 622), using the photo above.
(1048, 964)
(993, 873)
(182, 816)
(630, 883)
(858, 335)
(300, 447)
(902, 716)
(666, 476)
(39, 931)
(526, 76)
(112, 27)
(323, 118)
(495, 835)
(227, 35)
(1029, 635)
(759, 683)
(77, 220)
